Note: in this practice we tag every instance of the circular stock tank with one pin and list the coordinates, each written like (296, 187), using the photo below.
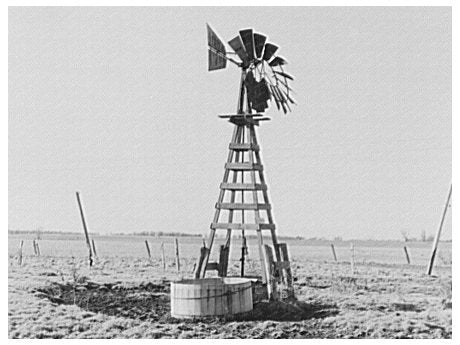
(210, 297)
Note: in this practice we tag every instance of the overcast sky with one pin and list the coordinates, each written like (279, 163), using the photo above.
(117, 103)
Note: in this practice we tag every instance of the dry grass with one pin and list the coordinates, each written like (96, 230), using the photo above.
(127, 298)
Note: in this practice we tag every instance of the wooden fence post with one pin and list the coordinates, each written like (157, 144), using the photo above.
(163, 258)
(407, 254)
(176, 247)
(148, 249)
(90, 252)
(35, 247)
(199, 264)
(20, 253)
(438, 234)
(94, 247)
(271, 282)
(38, 248)
(352, 261)
(333, 252)
(287, 269)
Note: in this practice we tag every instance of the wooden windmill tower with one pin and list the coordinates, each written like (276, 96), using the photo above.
(243, 203)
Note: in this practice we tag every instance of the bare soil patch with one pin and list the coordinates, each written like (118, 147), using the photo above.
(151, 302)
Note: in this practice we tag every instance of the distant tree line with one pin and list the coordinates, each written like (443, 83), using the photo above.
(161, 234)
(423, 237)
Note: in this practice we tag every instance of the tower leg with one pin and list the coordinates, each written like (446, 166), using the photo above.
(205, 261)
(255, 200)
(265, 194)
(228, 239)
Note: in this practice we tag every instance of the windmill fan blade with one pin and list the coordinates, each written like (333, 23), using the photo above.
(286, 95)
(284, 74)
(248, 41)
(277, 61)
(270, 49)
(288, 88)
(259, 42)
(281, 99)
(238, 47)
(275, 96)
(284, 107)
(280, 95)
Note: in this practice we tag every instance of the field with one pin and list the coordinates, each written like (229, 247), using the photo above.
(126, 295)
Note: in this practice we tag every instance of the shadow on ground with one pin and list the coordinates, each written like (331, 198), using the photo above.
(151, 302)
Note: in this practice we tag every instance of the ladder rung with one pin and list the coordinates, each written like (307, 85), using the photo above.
(240, 206)
(243, 186)
(244, 121)
(240, 226)
(243, 166)
(228, 116)
(243, 147)
(212, 266)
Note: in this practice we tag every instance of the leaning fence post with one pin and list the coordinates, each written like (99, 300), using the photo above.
(94, 247)
(407, 254)
(333, 252)
(148, 249)
(20, 253)
(438, 234)
(90, 252)
(176, 247)
(35, 247)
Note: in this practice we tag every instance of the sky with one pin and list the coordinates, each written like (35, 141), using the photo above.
(117, 103)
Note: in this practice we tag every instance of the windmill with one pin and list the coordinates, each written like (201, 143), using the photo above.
(243, 203)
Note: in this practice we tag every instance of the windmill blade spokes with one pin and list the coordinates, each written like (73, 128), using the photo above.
(289, 98)
(285, 85)
(284, 74)
(275, 96)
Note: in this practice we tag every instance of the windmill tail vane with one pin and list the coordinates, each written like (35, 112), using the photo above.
(263, 76)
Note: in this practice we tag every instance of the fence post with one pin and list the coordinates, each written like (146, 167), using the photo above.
(176, 247)
(163, 258)
(407, 254)
(38, 248)
(20, 253)
(94, 247)
(352, 262)
(35, 247)
(333, 252)
(90, 252)
(438, 234)
(148, 249)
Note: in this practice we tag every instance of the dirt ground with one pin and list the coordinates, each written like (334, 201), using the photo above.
(129, 298)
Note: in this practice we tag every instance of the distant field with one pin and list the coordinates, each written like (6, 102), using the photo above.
(383, 252)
